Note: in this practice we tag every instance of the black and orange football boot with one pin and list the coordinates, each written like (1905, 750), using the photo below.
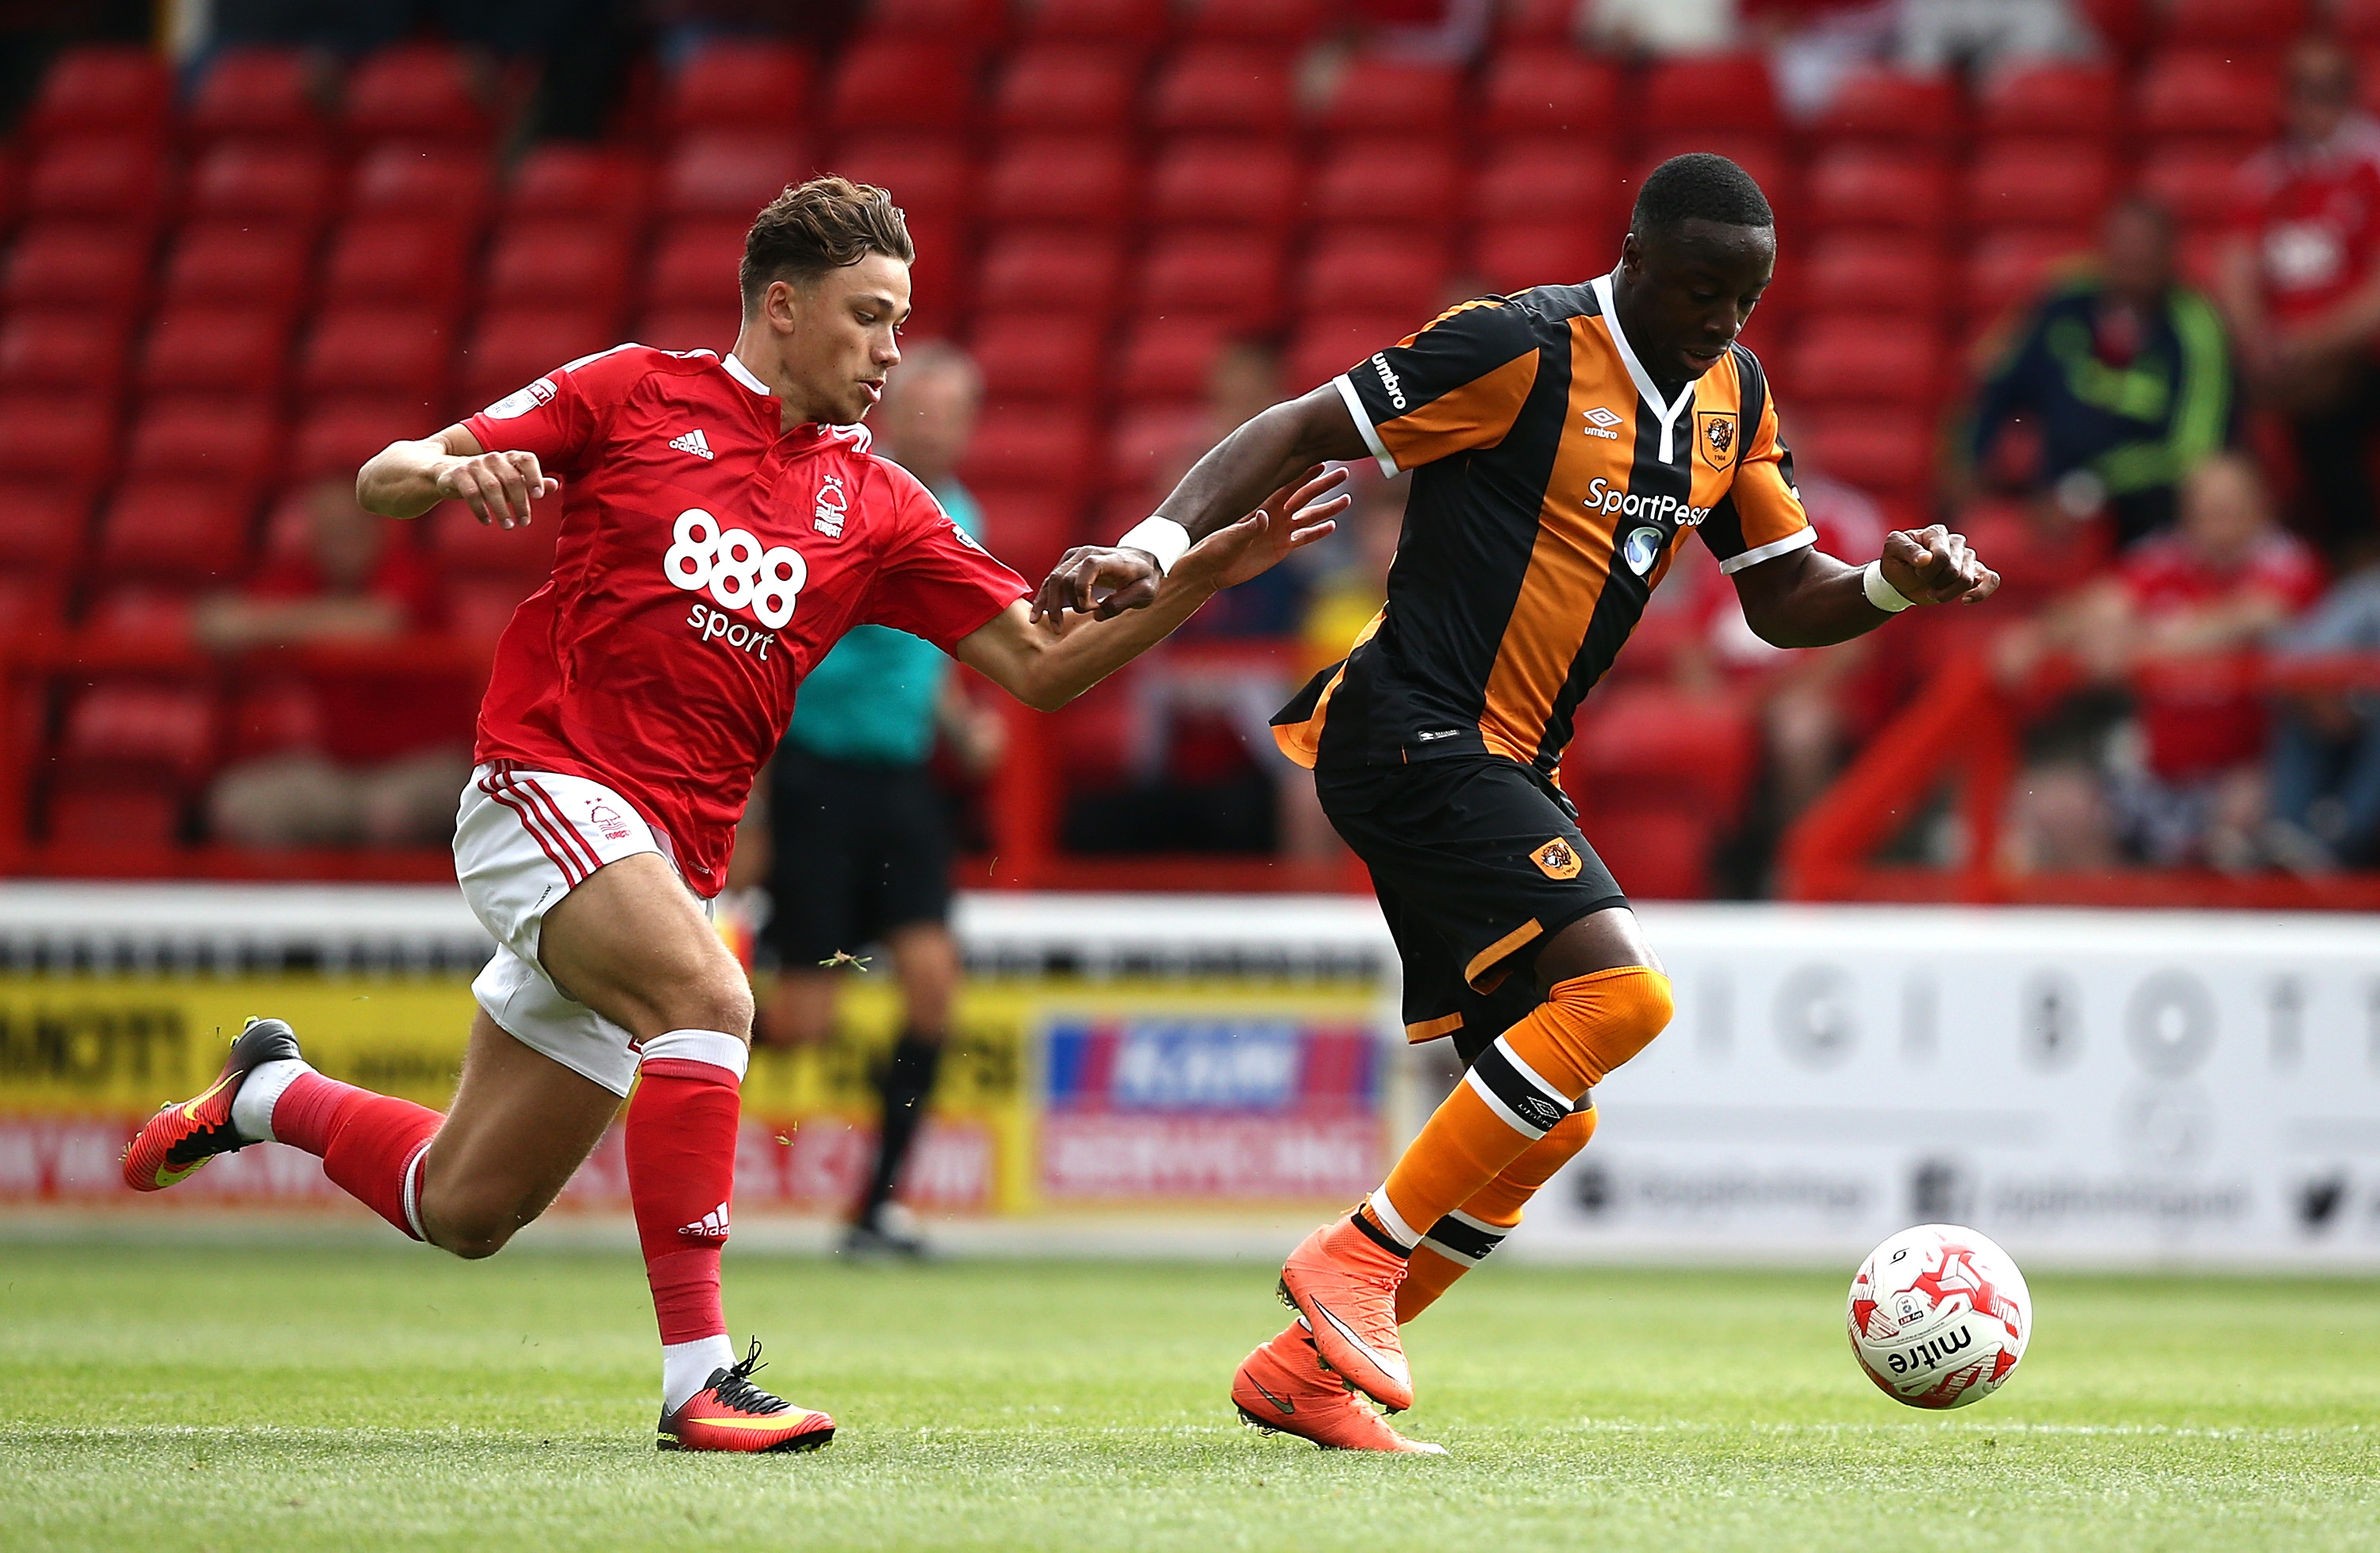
(175, 1142)
(730, 1413)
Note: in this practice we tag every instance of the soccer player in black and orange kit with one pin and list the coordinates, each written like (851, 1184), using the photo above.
(1562, 441)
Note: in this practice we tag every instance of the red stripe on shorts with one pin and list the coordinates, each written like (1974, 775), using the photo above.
(578, 843)
(535, 825)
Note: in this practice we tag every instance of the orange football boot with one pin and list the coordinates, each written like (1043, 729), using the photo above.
(1284, 1388)
(730, 1413)
(1345, 1286)
(175, 1142)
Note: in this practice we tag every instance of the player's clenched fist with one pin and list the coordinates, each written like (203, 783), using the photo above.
(498, 488)
(1934, 566)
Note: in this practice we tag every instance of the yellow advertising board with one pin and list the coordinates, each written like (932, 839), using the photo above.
(1054, 1093)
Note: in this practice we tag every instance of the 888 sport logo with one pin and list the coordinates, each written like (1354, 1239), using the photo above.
(732, 566)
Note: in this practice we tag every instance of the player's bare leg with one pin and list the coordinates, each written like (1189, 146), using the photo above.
(1605, 1000)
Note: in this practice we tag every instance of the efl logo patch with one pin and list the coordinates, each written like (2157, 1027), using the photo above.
(521, 401)
(1715, 430)
(1557, 859)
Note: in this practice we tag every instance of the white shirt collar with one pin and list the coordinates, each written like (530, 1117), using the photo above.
(1666, 410)
(743, 374)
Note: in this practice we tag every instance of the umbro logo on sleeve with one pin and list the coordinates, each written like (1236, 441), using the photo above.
(693, 442)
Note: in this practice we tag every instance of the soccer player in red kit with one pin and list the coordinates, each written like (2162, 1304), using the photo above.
(722, 522)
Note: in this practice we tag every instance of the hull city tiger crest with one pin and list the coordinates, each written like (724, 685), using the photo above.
(1715, 432)
(1557, 859)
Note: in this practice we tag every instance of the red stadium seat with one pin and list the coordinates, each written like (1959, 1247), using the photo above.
(1663, 850)
(464, 547)
(30, 602)
(1026, 529)
(742, 85)
(1370, 96)
(1051, 451)
(2199, 184)
(231, 262)
(582, 264)
(1226, 181)
(1037, 359)
(1080, 275)
(1514, 255)
(2206, 93)
(103, 89)
(2064, 103)
(1884, 450)
(336, 438)
(417, 182)
(1893, 108)
(478, 608)
(41, 529)
(1711, 94)
(1054, 179)
(386, 259)
(1278, 22)
(1878, 275)
(1868, 186)
(1857, 358)
(118, 178)
(378, 352)
(233, 443)
(1229, 277)
(1374, 273)
(1326, 346)
(140, 722)
(1223, 87)
(251, 181)
(65, 440)
(206, 348)
(1700, 751)
(172, 528)
(2008, 268)
(2236, 24)
(722, 175)
(417, 92)
(1141, 23)
(76, 351)
(972, 25)
(2027, 184)
(1552, 91)
(509, 347)
(1543, 179)
(580, 182)
(259, 92)
(928, 173)
(685, 328)
(1068, 86)
(903, 83)
(1766, 158)
(2358, 22)
(1166, 359)
(1388, 183)
(1151, 444)
(73, 265)
(695, 266)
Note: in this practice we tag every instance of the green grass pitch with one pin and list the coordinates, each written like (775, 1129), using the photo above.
(225, 1399)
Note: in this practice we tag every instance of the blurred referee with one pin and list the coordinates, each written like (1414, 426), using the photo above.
(861, 843)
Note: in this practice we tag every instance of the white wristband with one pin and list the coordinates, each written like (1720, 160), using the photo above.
(1161, 537)
(1881, 593)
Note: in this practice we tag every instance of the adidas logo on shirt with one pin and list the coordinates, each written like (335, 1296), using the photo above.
(693, 442)
(712, 1226)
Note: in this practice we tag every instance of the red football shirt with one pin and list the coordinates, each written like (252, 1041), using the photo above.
(2198, 718)
(2313, 218)
(706, 559)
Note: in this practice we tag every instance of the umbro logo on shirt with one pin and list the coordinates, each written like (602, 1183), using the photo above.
(1599, 422)
(693, 442)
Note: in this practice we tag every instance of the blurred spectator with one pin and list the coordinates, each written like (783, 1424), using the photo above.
(339, 757)
(2187, 784)
(2127, 375)
(1815, 44)
(2301, 278)
(2325, 766)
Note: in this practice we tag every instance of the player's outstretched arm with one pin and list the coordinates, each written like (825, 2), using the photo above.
(1263, 455)
(1047, 662)
(1807, 598)
(407, 479)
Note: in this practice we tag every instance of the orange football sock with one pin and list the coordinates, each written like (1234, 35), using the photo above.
(1517, 1091)
(1462, 1238)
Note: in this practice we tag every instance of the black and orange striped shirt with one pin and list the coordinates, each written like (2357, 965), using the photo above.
(1550, 479)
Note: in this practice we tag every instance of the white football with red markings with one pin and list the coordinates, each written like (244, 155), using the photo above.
(1939, 1316)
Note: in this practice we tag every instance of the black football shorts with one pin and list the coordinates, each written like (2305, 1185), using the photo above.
(1478, 861)
(857, 849)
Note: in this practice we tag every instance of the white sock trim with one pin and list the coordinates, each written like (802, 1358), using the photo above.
(1391, 1220)
(413, 1191)
(251, 1107)
(714, 1046)
(687, 1368)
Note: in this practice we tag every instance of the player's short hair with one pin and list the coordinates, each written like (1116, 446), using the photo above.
(1698, 185)
(819, 226)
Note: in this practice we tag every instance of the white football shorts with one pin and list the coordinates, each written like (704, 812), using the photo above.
(524, 839)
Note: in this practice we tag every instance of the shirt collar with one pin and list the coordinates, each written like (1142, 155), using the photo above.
(743, 374)
(1665, 409)
(810, 431)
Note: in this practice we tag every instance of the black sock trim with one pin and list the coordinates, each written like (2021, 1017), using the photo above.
(1378, 1236)
(1464, 1240)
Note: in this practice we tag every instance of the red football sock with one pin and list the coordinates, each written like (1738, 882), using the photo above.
(371, 1145)
(681, 1148)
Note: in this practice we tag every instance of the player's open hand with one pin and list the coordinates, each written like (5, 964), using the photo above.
(1299, 513)
(1934, 566)
(498, 488)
